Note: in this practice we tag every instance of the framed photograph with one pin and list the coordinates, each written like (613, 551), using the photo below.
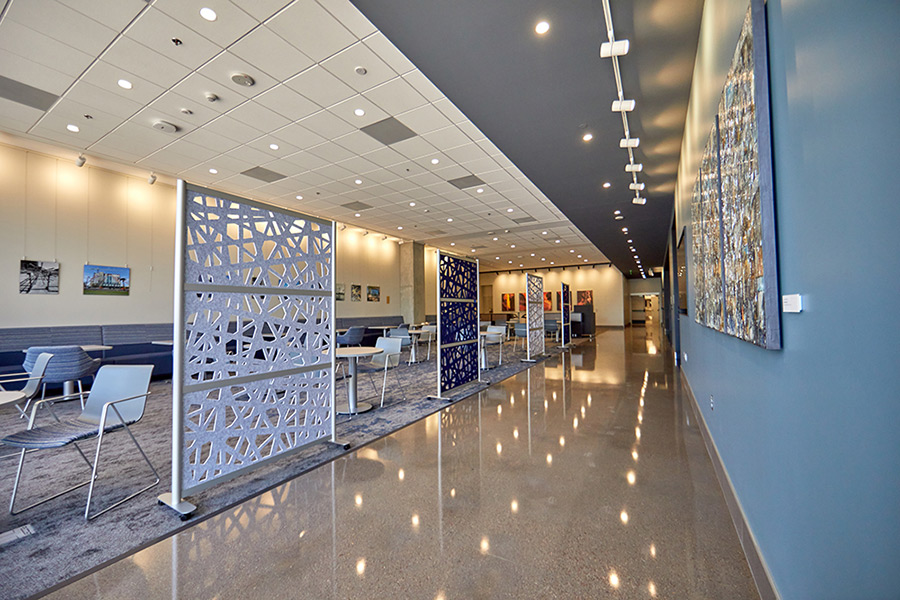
(355, 292)
(106, 281)
(339, 290)
(38, 277)
(548, 300)
(584, 297)
(507, 302)
(373, 293)
(522, 306)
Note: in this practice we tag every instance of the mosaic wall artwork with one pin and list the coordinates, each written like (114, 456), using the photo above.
(566, 317)
(457, 321)
(256, 366)
(535, 314)
(734, 257)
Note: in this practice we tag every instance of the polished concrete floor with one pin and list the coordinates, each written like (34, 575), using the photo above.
(583, 477)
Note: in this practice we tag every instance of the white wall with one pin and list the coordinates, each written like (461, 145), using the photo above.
(652, 285)
(606, 282)
(430, 280)
(368, 260)
(54, 211)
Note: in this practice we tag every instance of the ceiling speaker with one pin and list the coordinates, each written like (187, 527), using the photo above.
(165, 126)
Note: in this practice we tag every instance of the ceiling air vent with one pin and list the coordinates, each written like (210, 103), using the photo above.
(437, 232)
(25, 94)
(522, 220)
(357, 205)
(389, 131)
(465, 182)
(263, 174)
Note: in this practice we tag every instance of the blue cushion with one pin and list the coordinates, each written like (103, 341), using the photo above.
(54, 435)
(68, 363)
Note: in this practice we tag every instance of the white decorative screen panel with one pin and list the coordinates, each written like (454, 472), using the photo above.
(534, 303)
(255, 372)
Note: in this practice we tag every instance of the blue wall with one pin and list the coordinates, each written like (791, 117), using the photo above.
(810, 435)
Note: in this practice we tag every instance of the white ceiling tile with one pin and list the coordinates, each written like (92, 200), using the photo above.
(423, 85)
(172, 105)
(114, 152)
(284, 167)
(312, 179)
(287, 102)
(225, 65)
(451, 172)
(137, 139)
(450, 111)
(261, 9)
(91, 95)
(447, 138)
(148, 116)
(326, 124)
(115, 14)
(480, 165)
(136, 58)
(156, 30)
(233, 129)
(389, 53)
(188, 148)
(54, 127)
(320, 86)
(230, 25)
(74, 112)
(425, 119)
(264, 144)
(34, 74)
(105, 76)
(208, 139)
(414, 148)
(197, 87)
(299, 136)
(350, 17)
(261, 117)
(335, 187)
(66, 25)
(250, 154)
(358, 142)
(468, 152)
(385, 157)
(346, 111)
(311, 29)
(331, 152)
(262, 45)
(401, 185)
(168, 162)
(424, 179)
(306, 161)
(470, 130)
(42, 49)
(227, 165)
(343, 66)
(360, 166)
(335, 172)
(407, 169)
(396, 96)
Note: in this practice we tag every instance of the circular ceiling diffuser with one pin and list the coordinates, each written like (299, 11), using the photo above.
(165, 126)
(242, 79)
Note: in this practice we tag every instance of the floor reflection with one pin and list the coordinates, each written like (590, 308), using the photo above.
(576, 478)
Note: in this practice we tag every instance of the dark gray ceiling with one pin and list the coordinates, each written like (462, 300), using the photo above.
(534, 97)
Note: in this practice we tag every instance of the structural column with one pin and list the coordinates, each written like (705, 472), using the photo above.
(412, 282)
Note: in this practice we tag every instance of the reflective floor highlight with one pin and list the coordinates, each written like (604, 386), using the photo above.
(583, 477)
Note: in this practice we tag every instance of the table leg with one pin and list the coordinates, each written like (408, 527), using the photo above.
(352, 406)
(68, 388)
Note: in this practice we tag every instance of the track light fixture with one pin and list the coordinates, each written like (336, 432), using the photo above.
(634, 167)
(614, 48)
(152, 179)
(636, 186)
(623, 105)
(629, 142)
(79, 162)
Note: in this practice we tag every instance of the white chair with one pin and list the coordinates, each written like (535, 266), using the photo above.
(33, 385)
(494, 337)
(387, 360)
(521, 332)
(116, 400)
(429, 335)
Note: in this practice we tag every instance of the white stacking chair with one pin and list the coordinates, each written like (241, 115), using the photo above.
(388, 360)
(429, 336)
(494, 337)
(33, 384)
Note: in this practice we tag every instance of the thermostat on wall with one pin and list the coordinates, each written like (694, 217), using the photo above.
(791, 303)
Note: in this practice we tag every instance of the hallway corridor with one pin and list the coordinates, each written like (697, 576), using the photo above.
(582, 477)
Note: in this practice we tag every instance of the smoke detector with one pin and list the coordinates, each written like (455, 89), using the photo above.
(165, 126)
(242, 79)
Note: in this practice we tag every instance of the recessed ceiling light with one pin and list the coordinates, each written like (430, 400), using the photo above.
(496, 258)
(552, 263)
(273, 146)
(512, 245)
(624, 230)
(124, 84)
(473, 249)
(617, 212)
(606, 185)
(356, 215)
(412, 203)
(585, 260)
(208, 14)
(510, 262)
(400, 227)
(435, 161)
(521, 265)
(579, 256)
(213, 171)
(73, 128)
(619, 217)
(587, 137)
(452, 243)
(542, 258)
(630, 241)
(571, 252)
(557, 241)
(495, 239)
(543, 233)
(480, 190)
(359, 112)
(298, 197)
(542, 28)
(450, 220)
(358, 182)
(509, 210)
(532, 253)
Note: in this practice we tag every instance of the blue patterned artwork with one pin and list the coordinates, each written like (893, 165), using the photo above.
(254, 379)
(457, 321)
(566, 316)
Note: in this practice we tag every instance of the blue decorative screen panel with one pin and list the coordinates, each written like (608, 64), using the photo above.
(566, 316)
(255, 373)
(457, 321)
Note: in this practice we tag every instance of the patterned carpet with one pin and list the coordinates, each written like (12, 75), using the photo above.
(64, 546)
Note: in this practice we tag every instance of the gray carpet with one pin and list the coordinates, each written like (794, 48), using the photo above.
(64, 546)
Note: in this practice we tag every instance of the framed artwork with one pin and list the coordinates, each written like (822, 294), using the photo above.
(548, 300)
(355, 292)
(106, 281)
(733, 254)
(522, 307)
(38, 277)
(584, 297)
(373, 293)
(507, 302)
(339, 290)
(558, 301)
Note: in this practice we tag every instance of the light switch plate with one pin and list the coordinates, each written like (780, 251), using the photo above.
(791, 303)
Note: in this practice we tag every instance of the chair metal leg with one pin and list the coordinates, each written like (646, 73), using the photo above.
(384, 384)
(12, 501)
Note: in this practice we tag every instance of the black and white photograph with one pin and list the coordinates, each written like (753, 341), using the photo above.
(38, 277)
